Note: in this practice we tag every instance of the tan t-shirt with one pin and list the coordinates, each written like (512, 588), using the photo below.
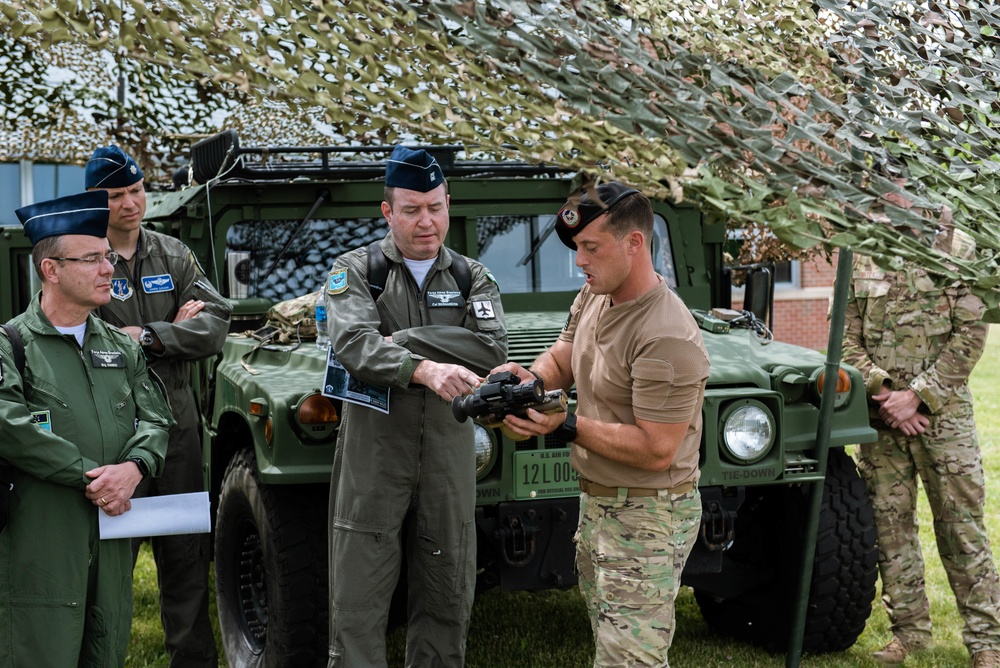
(642, 359)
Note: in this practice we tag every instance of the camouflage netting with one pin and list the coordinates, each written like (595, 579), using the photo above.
(835, 123)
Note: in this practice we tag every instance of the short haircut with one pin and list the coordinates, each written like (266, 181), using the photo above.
(632, 213)
(47, 247)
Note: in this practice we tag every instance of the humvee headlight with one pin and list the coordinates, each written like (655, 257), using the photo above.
(747, 431)
(485, 451)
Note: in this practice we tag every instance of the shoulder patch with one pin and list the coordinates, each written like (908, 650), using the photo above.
(483, 309)
(337, 282)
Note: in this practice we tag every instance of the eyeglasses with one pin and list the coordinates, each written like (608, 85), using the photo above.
(111, 257)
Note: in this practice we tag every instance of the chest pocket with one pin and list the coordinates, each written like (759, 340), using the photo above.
(871, 296)
(929, 314)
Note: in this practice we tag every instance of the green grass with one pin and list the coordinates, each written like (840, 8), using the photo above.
(550, 629)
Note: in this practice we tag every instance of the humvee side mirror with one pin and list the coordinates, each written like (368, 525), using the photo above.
(758, 292)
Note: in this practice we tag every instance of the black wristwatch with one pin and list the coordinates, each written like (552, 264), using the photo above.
(146, 337)
(143, 469)
(567, 430)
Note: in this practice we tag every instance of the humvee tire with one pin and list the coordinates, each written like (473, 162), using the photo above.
(270, 590)
(770, 526)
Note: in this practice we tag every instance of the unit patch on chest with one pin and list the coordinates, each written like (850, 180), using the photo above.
(121, 289)
(161, 283)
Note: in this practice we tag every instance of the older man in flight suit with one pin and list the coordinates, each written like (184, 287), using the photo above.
(428, 343)
(79, 428)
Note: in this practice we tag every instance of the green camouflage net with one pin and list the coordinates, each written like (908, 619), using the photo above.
(834, 124)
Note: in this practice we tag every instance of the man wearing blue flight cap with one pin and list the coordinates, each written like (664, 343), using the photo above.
(408, 314)
(161, 298)
(81, 419)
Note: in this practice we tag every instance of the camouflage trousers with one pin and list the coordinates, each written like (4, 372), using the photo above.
(630, 553)
(946, 457)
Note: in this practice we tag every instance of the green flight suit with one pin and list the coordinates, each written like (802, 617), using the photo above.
(65, 595)
(149, 291)
(417, 459)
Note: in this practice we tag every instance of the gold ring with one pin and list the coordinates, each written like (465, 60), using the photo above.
(103, 502)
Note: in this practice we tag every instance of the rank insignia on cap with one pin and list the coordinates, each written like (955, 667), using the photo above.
(413, 169)
(337, 282)
(595, 202)
(570, 217)
(483, 309)
(111, 167)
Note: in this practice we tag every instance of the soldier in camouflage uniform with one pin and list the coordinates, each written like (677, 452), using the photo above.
(916, 341)
(640, 368)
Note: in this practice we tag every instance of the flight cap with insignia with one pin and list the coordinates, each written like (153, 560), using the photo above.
(413, 169)
(571, 219)
(86, 213)
(111, 167)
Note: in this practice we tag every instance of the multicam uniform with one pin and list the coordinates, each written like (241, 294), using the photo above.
(162, 277)
(66, 595)
(641, 359)
(905, 330)
(416, 458)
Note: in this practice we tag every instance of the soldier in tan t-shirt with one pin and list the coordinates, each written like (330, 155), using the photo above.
(640, 367)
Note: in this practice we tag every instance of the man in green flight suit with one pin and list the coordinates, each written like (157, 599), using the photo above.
(428, 343)
(79, 429)
(161, 298)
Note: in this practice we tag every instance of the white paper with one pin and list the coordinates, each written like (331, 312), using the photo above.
(160, 516)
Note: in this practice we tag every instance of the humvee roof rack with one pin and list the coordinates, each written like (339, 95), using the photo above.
(221, 157)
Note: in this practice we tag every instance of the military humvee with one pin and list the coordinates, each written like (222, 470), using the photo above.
(266, 223)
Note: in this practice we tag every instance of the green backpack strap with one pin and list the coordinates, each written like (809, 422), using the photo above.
(378, 271)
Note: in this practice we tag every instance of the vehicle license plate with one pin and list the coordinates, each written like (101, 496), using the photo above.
(540, 474)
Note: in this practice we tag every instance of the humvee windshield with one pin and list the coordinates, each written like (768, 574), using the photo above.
(504, 241)
(504, 244)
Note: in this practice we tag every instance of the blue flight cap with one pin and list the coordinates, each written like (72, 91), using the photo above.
(111, 167)
(86, 213)
(571, 219)
(413, 169)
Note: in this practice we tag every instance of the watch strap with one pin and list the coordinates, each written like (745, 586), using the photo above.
(567, 430)
(143, 468)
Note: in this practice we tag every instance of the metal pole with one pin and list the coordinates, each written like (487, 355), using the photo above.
(833, 350)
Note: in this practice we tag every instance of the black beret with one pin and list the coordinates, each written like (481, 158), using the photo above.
(111, 167)
(413, 169)
(85, 213)
(571, 219)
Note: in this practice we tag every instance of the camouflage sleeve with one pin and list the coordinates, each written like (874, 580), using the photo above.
(203, 335)
(479, 344)
(961, 351)
(854, 351)
(353, 323)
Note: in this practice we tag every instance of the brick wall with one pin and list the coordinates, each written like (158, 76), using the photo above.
(800, 314)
